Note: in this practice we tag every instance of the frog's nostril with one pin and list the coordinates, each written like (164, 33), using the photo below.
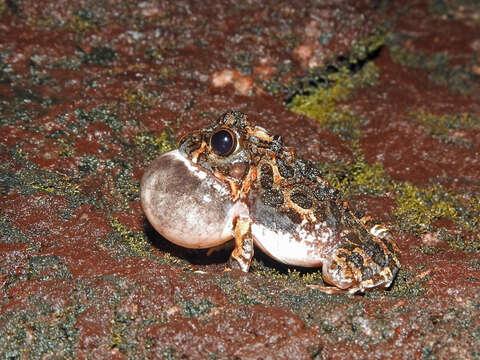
(223, 142)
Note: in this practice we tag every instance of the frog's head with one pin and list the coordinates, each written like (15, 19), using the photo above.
(188, 194)
(228, 147)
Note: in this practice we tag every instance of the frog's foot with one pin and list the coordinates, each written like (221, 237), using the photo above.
(357, 266)
(242, 254)
(331, 290)
(348, 277)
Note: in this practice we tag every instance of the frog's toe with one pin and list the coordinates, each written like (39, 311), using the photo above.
(331, 290)
(238, 263)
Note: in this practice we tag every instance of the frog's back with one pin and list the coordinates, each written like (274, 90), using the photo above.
(298, 219)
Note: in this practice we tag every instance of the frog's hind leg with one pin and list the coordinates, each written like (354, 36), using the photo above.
(340, 271)
(356, 266)
(242, 254)
(331, 290)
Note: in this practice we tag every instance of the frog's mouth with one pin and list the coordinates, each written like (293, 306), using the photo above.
(186, 203)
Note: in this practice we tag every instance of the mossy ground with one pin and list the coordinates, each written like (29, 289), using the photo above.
(135, 242)
(118, 74)
(322, 103)
(151, 145)
(458, 78)
(447, 128)
(417, 208)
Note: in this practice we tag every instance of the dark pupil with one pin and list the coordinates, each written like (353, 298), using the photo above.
(222, 142)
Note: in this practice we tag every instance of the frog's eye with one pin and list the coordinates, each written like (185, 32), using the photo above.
(223, 142)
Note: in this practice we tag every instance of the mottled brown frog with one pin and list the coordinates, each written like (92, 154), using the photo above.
(235, 180)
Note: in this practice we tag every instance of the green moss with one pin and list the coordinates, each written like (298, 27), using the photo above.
(88, 164)
(154, 53)
(321, 103)
(51, 183)
(234, 292)
(451, 9)
(68, 150)
(43, 22)
(428, 250)
(82, 22)
(151, 146)
(196, 308)
(458, 77)
(363, 178)
(286, 275)
(120, 334)
(133, 242)
(368, 179)
(9, 234)
(30, 179)
(38, 74)
(405, 285)
(19, 115)
(6, 71)
(357, 177)
(127, 187)
(444, 126)
(41, 332)
(357, 61)
(270, 272)
(3, 7)
(364, 48)
(100, 114)
(416, 209)
(141, 98)
(475, 264)
(169, 259)
(47, 267)
(466, 242)
(69, 63)
(34, 181)
(169, 353)
(101, 55)
(23, 97)
(417, 59)
(313, 277)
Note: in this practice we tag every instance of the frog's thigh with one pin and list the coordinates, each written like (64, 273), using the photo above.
(242, 254)
(340, 271)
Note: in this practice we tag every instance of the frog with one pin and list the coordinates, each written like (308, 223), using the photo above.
(234, 182)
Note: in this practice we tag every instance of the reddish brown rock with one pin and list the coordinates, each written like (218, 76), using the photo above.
(90, 91)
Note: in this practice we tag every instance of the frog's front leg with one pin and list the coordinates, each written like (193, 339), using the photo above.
(242, 254)
(355, 266)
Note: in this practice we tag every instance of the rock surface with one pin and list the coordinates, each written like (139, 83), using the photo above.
(383, 97)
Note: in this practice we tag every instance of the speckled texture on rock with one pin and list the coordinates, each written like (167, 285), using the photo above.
(91, 92)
